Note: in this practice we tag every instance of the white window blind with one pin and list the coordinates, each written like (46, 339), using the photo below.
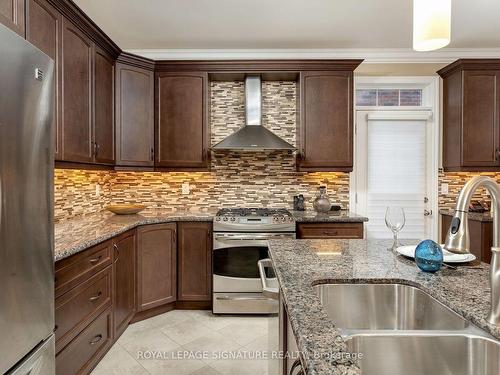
(396, 175)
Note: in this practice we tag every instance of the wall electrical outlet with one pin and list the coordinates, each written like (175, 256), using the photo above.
(445, 189)
(97, 190)
(185, 188)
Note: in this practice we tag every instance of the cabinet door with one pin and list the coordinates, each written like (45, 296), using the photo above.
(480, 131)
(181, 120)
(104, 127)
(134, 116)
(326, 131)
(12, 15)
(124, 281)
(156, 265)
(195, 261)
(76, 94)
(43, 30)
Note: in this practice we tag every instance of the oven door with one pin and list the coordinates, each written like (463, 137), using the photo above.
(237, 285)
(235, 260)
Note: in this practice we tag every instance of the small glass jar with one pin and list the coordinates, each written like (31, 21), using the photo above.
(321, 202)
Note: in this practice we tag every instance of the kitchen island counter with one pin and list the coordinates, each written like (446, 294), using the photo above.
(300, 264)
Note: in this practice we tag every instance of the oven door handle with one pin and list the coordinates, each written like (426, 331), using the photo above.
(267, 290)
(237, 237)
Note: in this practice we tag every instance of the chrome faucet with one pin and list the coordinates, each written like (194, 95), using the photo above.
(458, 240)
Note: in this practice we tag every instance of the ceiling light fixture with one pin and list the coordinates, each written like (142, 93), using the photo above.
(431, 24)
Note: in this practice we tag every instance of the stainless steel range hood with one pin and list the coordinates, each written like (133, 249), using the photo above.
(253, 136)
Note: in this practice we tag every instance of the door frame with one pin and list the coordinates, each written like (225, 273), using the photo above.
(430, 102)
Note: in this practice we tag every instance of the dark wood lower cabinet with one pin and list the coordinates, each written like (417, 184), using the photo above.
(81, 305)
(480, 233)
(156, 265)
(124, 281)
(195, 261)
(87, 349)
(330, 230)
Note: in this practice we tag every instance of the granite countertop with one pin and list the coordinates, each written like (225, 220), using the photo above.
(329, 217)
(299, 264)
(476, 216)
(80, 233)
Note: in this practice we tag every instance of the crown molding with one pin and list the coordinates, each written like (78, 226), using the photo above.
(370, 55)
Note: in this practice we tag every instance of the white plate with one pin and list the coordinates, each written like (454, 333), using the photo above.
(409, 251)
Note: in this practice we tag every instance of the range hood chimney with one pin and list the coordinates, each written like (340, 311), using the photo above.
(253, 136)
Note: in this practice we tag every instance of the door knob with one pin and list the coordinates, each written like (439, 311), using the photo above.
(427, 212)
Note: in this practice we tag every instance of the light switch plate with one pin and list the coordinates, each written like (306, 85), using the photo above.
(445, 189)
(185, 188)
(97, 190)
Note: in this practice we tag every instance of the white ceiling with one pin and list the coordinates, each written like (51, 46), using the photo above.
(283, 24)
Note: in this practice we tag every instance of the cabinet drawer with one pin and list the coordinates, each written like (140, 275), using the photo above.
(330, 230)
(76, 308)
(83, 353)
(76, 269)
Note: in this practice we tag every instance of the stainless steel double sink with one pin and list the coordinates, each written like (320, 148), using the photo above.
(400, 329)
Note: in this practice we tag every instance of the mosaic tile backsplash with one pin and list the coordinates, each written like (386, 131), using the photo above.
(267, 179)
(455, 181)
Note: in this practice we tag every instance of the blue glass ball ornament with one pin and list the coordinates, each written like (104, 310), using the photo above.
(429, 256)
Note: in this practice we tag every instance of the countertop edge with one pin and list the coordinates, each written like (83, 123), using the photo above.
(86, 244)
(138, 220)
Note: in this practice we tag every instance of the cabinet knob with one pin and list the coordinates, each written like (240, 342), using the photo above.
(117, 251)
(152, 154)
(95, 340)
(96, 260)
(497, 154)
(96, 297)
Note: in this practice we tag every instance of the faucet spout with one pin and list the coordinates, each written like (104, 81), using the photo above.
(458, 240)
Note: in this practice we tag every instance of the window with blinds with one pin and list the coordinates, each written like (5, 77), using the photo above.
(396, 175)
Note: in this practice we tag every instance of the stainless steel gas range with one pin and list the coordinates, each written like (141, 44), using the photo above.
(240, 242)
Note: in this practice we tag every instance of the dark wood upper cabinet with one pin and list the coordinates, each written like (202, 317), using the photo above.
(77, 51)
(134, 116)
(124, 296)
(44, 29)
(471, 115)
(325, 130)
(103, 97)
(156, 265)
(12, 15)
(182, 126)
(195, 261)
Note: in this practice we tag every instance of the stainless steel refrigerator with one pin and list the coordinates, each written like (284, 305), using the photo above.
(26, 200)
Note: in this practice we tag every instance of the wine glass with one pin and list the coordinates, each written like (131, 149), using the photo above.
(395, 220)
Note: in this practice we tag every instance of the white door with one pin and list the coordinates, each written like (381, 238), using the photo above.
(391, 169)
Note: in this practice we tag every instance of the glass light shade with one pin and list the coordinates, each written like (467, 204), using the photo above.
(431, 24)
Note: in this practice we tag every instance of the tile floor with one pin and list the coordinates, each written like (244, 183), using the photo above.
(155, 346)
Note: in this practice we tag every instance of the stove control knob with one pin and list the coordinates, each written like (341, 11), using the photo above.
(283, 218)
(233, 218)
(290, 219)
(225, 218)
(275, 218)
